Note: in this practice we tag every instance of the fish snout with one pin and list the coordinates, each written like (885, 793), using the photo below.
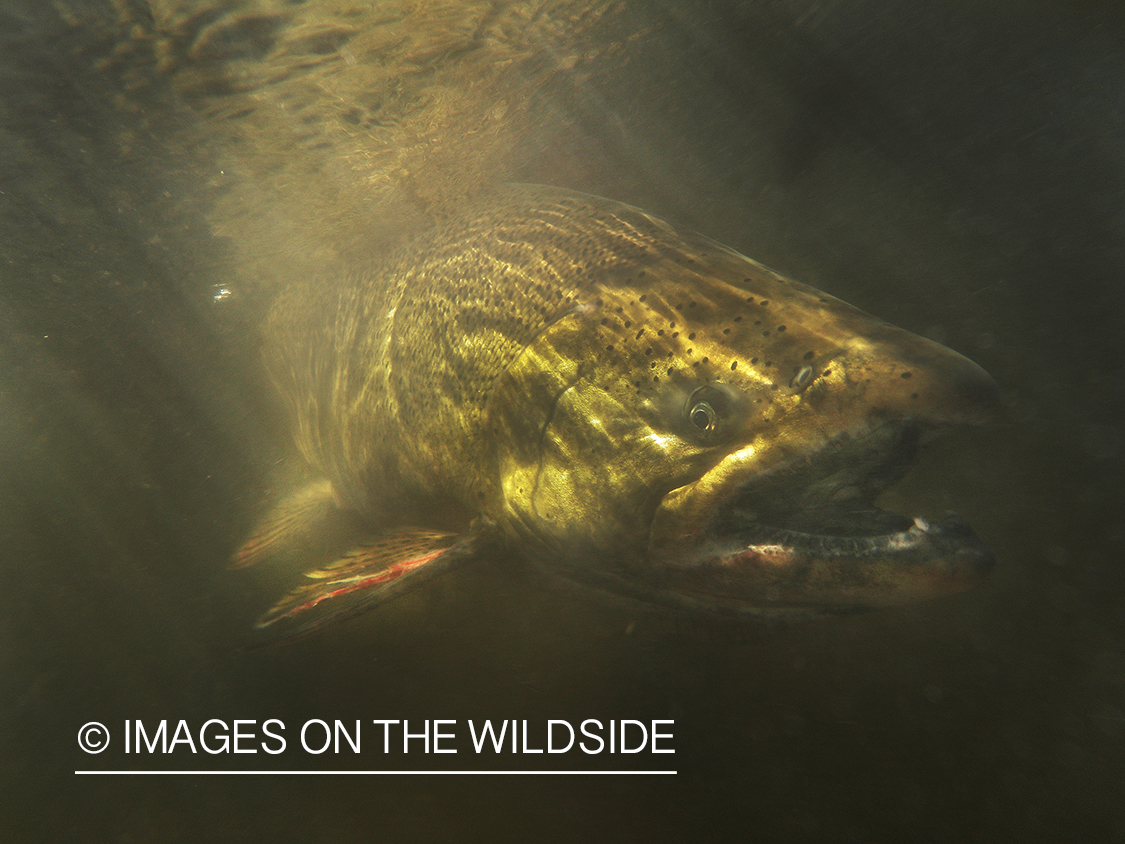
(931, 384)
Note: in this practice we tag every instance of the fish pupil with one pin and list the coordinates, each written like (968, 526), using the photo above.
(703, 416)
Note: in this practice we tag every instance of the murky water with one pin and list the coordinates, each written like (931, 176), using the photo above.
(957, 169)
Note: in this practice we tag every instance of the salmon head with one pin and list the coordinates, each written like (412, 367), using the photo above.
(694, 429)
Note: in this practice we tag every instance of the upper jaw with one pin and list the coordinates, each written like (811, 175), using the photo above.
(831, 492)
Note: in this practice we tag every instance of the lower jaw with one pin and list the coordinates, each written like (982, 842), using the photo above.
(767, 539)
(779, 568)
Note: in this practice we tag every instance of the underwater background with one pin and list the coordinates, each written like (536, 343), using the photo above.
(955, 168)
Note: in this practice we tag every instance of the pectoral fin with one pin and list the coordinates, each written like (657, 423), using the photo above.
(287, 523)
(374, 571)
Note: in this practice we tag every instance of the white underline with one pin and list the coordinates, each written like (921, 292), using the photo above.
(384, 773)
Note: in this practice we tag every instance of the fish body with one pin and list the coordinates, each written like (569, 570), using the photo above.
(636, 407)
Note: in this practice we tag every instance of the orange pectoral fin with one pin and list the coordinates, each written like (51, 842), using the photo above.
(374, 571)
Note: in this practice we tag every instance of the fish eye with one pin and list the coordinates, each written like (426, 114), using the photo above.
(703, 416)
(707, 410)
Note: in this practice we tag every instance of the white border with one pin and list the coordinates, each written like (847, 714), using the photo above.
(396, 773)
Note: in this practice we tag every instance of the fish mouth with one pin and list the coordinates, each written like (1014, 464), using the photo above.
(808, 534)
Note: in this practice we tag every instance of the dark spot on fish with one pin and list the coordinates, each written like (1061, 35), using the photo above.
(660, 333)
(753, 360)
(765, 334)
(726, 331)
(609, 348)
(691, 304)
(671, 370)
(599, 303)
(809, 355)
(648, 351)
(628, 324)
(605, 322)
(691, 336)
(913, 395)
(826, 373)
(906, 374)
(738, 319)
(618, 309)
(655, 379)
(733, 365)
(781, 328)
(639, 333)
(643, 297)
(675, 334)
(705, 360)
(763, 303)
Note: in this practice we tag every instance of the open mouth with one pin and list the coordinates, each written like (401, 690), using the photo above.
(809, 533)
(830, 494)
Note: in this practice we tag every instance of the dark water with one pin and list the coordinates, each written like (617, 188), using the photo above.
(956, 168)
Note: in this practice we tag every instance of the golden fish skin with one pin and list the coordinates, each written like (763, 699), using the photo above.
(633, 406)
